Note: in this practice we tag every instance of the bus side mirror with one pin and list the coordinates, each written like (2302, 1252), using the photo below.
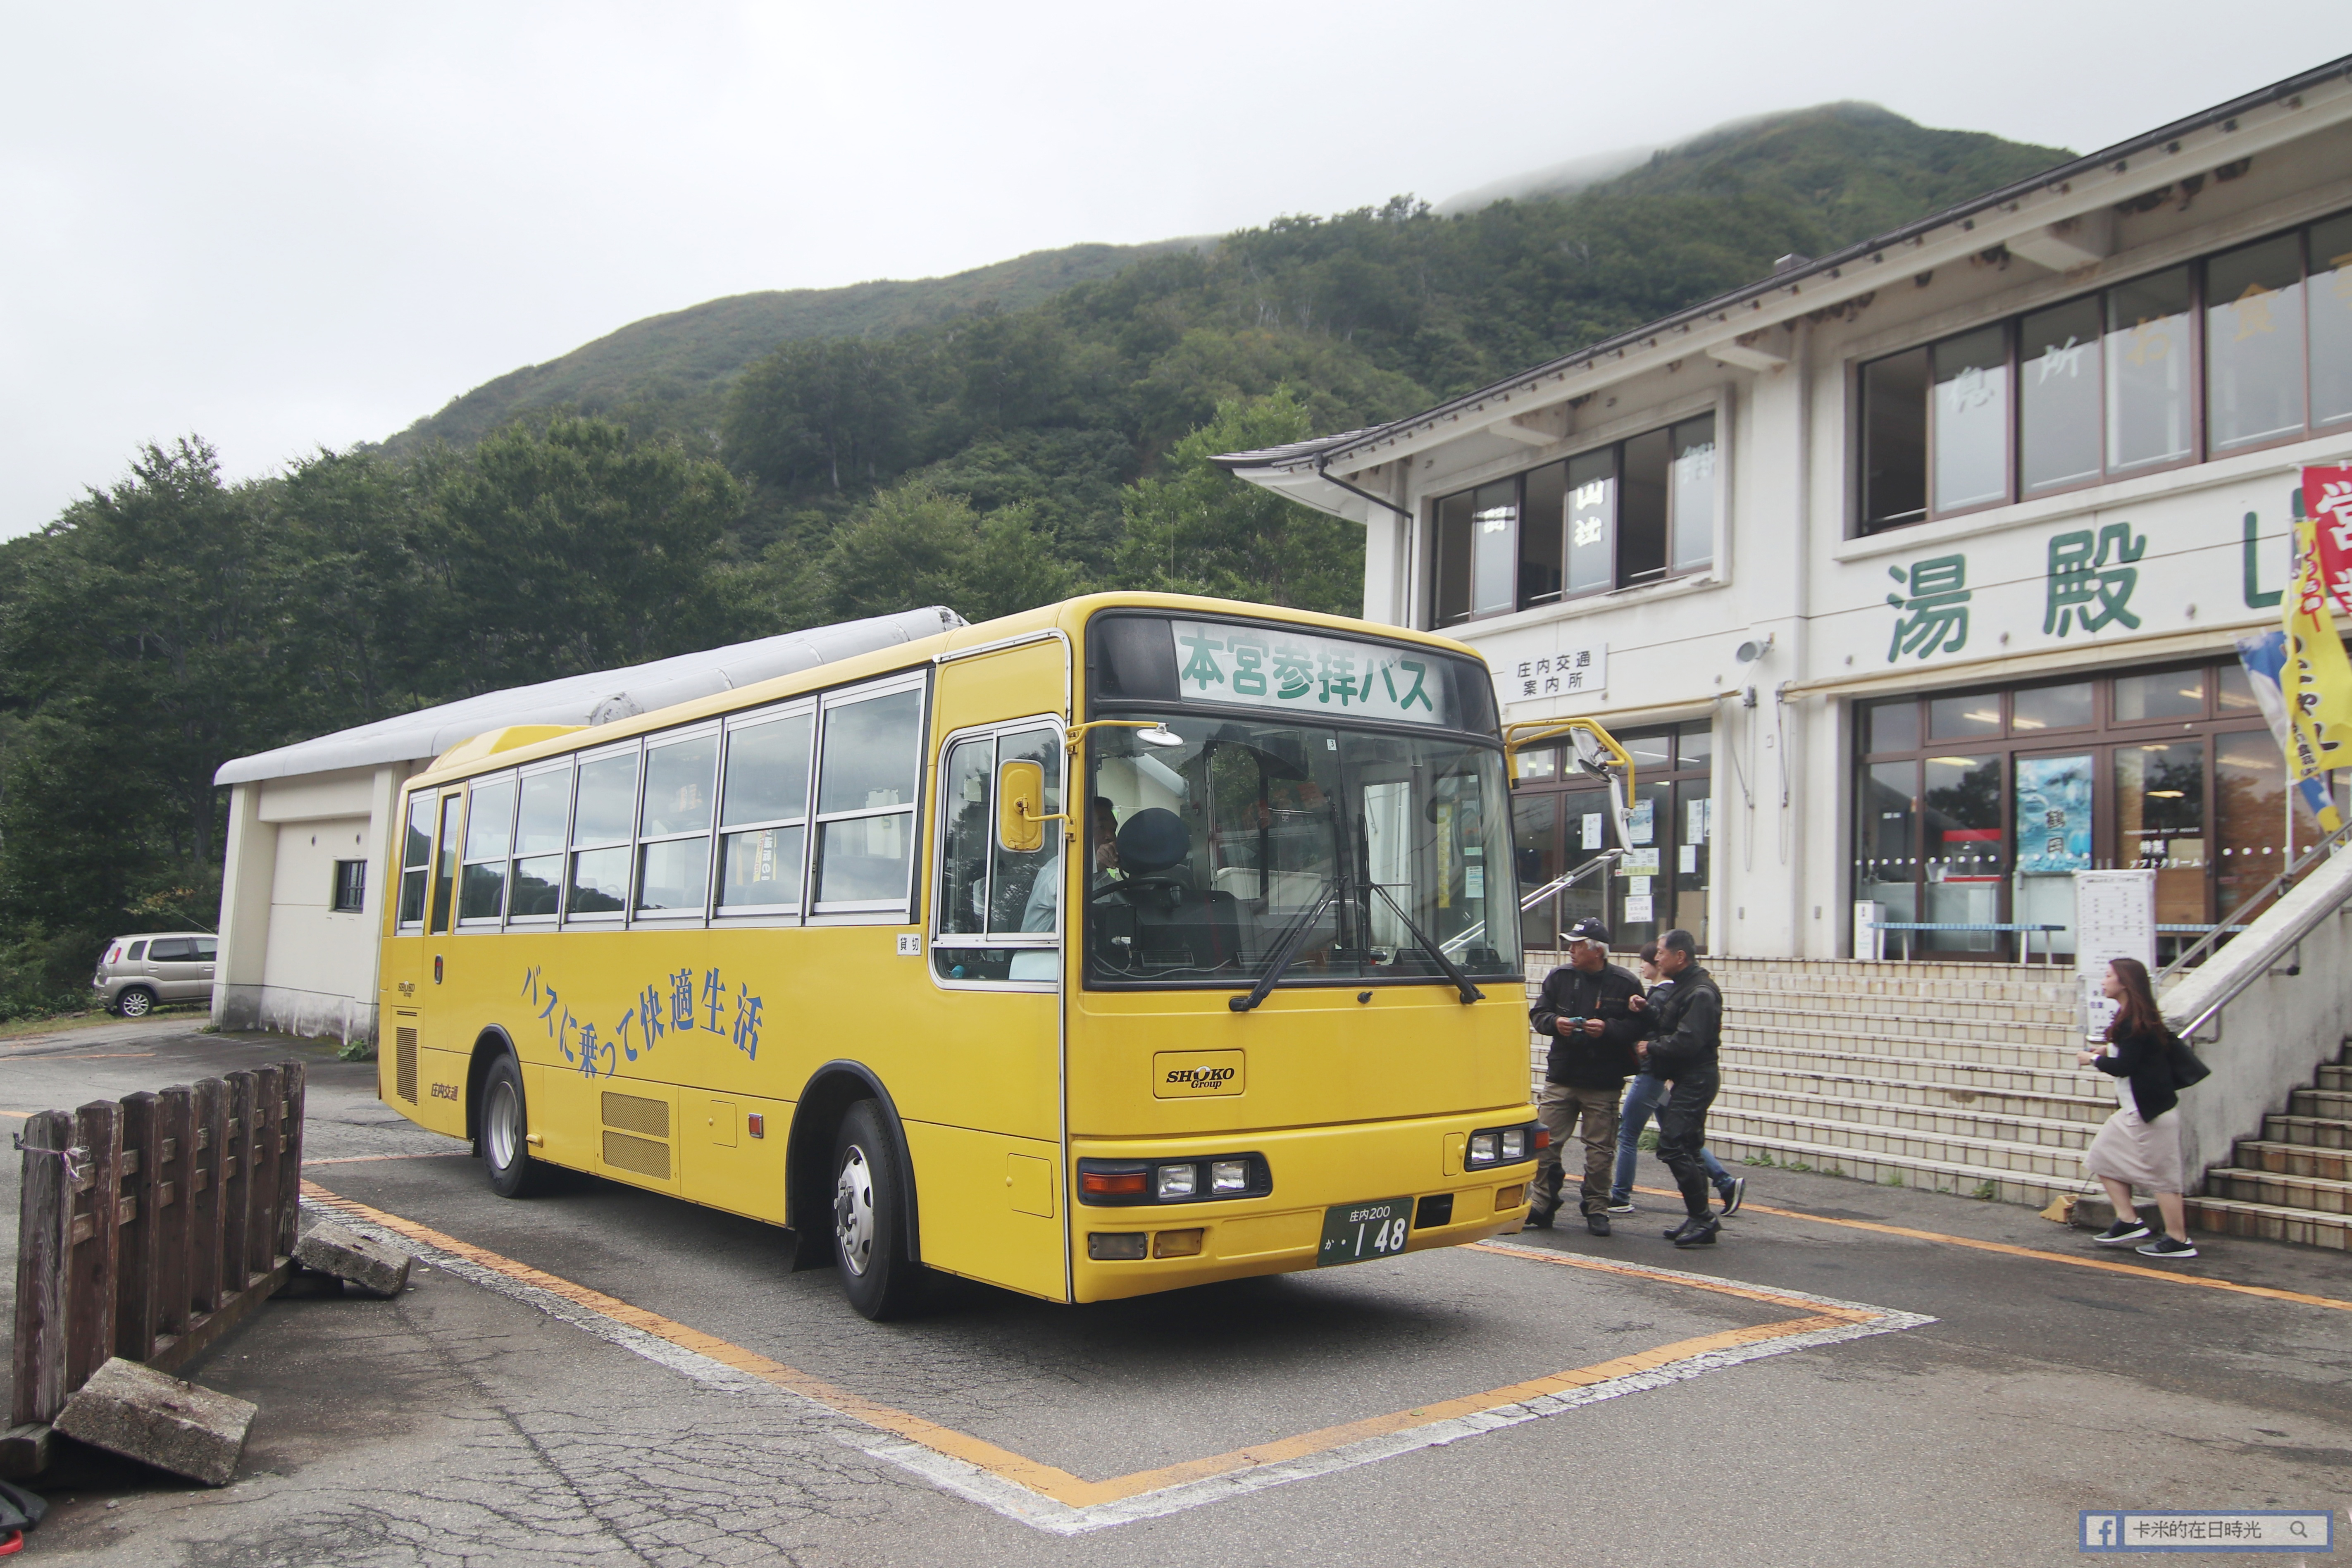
(1021, 807)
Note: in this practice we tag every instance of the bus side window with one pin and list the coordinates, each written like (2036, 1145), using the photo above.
(1027, 885)
(966, 790)
(541, 824)
(865, 802)
(445, 876)
(763, 816)
(416, 859)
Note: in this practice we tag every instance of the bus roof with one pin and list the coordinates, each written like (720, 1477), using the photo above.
(1068, 617)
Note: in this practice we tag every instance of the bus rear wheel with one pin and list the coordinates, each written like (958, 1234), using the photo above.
(869, 1214)
(506, 1126)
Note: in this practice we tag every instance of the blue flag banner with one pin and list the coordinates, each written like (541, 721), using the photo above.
(2263, 654)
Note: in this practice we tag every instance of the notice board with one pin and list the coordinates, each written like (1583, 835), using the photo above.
(2115, 917)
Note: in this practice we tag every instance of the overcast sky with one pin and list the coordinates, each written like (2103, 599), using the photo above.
(283, 226)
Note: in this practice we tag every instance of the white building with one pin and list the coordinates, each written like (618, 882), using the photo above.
(1993, 493)
(309, 825)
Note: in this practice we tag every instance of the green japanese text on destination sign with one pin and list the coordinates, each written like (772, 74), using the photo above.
(1259, 668)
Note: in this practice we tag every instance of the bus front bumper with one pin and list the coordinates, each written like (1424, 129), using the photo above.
(1314, 1170)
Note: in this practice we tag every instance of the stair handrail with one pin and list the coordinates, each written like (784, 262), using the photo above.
(2241, 917)
(1563, 883)
(1551, 889)
(2300, 927)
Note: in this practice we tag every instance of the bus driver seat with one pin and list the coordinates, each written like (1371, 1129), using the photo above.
(1169, 921)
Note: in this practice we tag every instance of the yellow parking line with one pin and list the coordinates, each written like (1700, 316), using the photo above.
(1075, 1492)
(2101, 1264)
(365, 1158)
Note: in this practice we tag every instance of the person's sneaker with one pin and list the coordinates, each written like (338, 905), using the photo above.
(2123, 1233)
(1735, 1192)
(1697, 1233)
(1624, 1206)
(2166, 1246)
(1539, 1217)
(1596, 1223)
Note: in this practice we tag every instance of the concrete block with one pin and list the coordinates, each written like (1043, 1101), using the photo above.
(143, 1414)
(337, 1249)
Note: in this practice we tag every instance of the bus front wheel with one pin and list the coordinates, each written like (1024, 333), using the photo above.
(869, 1216)
(506, 1125)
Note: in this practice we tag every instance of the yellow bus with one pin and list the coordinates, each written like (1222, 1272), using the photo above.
(1127, 943)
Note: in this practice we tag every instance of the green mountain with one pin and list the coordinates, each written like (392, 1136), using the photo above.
(1572, 251)
(674, 366)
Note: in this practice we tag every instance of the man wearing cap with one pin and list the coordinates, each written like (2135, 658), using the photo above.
(1585, 1013)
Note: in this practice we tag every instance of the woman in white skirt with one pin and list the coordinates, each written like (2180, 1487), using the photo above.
(2140, 1145)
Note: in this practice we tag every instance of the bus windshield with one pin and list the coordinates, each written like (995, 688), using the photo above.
(1204, 857)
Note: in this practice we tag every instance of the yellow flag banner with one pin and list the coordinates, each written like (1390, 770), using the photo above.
(2318, 678)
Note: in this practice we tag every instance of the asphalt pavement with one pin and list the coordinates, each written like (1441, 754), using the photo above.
(1856, 1375)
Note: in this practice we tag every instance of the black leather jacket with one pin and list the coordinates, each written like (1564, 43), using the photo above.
(1578, 1060)
(1688, 1027)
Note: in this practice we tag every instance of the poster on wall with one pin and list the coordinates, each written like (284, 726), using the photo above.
(2115, 917)
(2053, 814)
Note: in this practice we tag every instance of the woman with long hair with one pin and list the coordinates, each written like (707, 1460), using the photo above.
(2138, 1146)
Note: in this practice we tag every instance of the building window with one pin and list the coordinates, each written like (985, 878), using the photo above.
(1561, 820)
(351, 886)
(1638, 512)
(1973, 809)
(2246, 348)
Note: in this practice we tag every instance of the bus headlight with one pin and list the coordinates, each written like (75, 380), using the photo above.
(1228, 1177)
(1492, 1146)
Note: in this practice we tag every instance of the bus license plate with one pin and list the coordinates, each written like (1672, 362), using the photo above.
(1354, 1232)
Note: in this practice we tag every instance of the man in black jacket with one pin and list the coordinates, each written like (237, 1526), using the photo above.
(1586, 1012)
(1684, 1030)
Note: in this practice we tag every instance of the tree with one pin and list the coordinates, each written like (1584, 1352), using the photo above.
(576, 547)
(150, 613)
(1195, 528)
(915, 545)
(817, 413)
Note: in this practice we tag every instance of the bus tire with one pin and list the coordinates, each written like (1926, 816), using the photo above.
(506, 1126)
(869, 1216)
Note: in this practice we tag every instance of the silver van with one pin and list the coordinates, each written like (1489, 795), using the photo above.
(139, 971)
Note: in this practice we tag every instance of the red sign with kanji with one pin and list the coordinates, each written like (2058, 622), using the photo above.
(2327, 502)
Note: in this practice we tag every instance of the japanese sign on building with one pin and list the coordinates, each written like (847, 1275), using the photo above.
(1576, 669)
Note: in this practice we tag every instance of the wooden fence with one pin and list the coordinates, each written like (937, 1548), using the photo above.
(151, 1225)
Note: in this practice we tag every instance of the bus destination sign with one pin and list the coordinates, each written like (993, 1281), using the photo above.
(1258, 667)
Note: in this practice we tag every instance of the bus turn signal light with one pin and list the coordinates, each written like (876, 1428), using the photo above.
(1114, 1184)
(1178, 1243)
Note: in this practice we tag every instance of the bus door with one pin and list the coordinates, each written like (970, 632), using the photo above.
(989, 1165)
(414, 958)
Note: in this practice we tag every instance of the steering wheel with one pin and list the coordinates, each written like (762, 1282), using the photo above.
(1138, 884)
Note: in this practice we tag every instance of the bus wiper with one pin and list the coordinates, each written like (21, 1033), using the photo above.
(1286, 951)
(1295, 940)
(1461, 982)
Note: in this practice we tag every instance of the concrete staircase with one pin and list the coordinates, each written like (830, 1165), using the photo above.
(1960, 1078)
(2292, 1183)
